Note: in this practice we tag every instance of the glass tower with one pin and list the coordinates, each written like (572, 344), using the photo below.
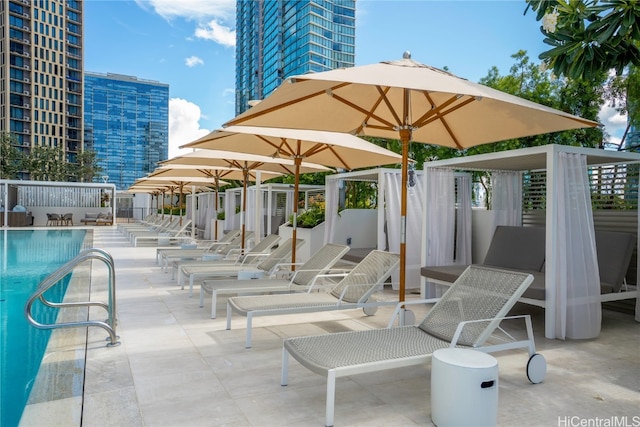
(41, 73)
(126, 123)
(276, 39)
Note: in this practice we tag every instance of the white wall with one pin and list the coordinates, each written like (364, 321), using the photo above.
(358, 224)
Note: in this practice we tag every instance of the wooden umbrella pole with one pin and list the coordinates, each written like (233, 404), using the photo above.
(405, 137)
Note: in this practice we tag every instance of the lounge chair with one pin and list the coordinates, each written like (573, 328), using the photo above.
(211, 246)
(163, 225)
(218, 250)
(467, 315)
(236, 256)
(302, 279)
(172, 234)
(264, 268)
(355, 290)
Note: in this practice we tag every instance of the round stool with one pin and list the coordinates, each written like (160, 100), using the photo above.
(464, 388)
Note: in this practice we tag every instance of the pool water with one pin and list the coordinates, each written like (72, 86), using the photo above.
(27, 257)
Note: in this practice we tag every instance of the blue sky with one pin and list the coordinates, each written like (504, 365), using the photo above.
(189, 44)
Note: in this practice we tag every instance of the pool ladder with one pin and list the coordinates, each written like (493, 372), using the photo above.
(52, 279)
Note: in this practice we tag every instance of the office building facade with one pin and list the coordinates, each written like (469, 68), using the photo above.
(277, 39)
(126, 122)
(41, 73)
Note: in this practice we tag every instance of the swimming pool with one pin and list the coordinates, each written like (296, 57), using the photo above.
(26, 257)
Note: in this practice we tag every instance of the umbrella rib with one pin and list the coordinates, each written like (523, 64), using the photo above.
(277, 107)
(368, 114)
(440, 114)
(383, 95)
(434, 110)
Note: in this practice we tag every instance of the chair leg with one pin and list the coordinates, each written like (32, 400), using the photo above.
(331, 397)
(214, 302)
(249, 322)
(228, 316)
(284, 376)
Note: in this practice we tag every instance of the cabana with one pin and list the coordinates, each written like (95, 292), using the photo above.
(367, 229)
(567, 205)
(276, 204)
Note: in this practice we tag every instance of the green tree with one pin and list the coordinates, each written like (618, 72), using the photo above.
(11, 158)
(86, 167)
(590, 37)
(47, 164)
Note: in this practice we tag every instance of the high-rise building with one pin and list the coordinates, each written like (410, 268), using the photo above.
(126, 122)
(41, 73)
(277, 39)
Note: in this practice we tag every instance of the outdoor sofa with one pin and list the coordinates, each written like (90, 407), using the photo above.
(523, 249)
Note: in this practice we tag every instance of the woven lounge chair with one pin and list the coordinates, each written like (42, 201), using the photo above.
(210, 247)
(467, 315)
(216, 250)
(353, 291)
(236, 256)
(302, 279)
(173, 235)
(265, 268)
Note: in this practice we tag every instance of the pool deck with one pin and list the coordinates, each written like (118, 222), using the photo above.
(177, 367)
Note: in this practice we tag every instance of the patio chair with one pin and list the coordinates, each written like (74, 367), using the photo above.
(231, 240)
(53, 219)
(67, 219)
(302, 279)
(266, 267)
(173, 234)
(355, 290)
(467, 315)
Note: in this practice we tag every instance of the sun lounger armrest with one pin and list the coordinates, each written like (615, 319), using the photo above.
(496, 321)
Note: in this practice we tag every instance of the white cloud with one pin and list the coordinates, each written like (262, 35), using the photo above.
(613, 121)
(216, 32)
(192, 61)
(184, 126)
(191, 9)
(214, 18)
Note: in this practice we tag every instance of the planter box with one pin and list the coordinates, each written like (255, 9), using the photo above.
(313, 239)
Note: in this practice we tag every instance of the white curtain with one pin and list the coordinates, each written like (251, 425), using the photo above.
(330, 209)
(578, 307)
(506, 198)
(392, 200)
(463, 219)
(250, 224)
(440, 217)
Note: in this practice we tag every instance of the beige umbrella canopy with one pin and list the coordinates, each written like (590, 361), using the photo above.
(409, 101)
(249, 164)
(333, 149)
(179, 184)
(212, 173)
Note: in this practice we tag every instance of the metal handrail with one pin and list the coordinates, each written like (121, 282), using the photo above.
(52, 279)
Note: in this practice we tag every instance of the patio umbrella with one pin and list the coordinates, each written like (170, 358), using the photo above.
(407, 100)
(212, 173)
(249, 164)
(333, 149)
(172, 184)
